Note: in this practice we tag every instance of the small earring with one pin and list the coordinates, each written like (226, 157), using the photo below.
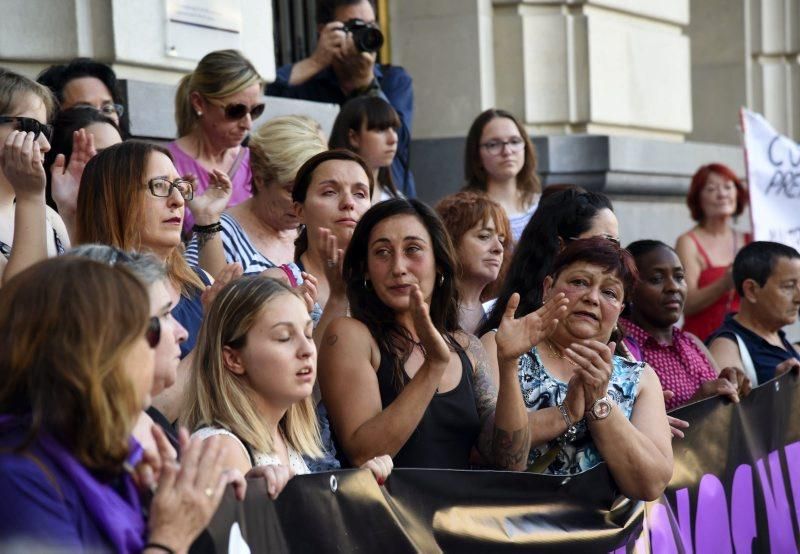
(199, 113)
(441, 279)
(367, 286)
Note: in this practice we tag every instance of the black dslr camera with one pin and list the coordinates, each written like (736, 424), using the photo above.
(366, 36)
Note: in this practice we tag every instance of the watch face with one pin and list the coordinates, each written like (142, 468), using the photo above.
(601, 409)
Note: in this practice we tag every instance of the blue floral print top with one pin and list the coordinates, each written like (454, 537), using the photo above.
(542, 390)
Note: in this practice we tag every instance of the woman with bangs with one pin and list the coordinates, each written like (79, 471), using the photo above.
(368, 126)
(133, 198)
(500, 160)
(215, 106)
(481, 234)
(77, 352)
(252, 380)
(588, 405)
(26, 107)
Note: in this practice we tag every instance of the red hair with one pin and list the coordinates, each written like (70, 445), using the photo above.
(601, 252)
(699, 181)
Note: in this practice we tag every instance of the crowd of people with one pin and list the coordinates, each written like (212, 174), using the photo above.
(263, 303)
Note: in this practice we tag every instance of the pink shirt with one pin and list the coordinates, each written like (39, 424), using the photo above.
(681, 366)
(241, 178)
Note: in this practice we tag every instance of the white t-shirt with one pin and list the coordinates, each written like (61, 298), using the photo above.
(296, 461)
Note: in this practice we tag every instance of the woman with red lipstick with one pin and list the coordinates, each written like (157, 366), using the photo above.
(253, 378)
(368, 126)
(481, 234)
(587, 404)
(400, 376)
(681, 361)
(716, 196)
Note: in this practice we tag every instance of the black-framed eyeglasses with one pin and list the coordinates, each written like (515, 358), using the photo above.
(238, 111)
(29, 125)
(161, 187)
(153, 332)
(494, 147)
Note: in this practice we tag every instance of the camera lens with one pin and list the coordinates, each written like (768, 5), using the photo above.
(368, 39)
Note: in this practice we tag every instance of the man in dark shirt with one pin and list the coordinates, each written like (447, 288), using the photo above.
(767, 278)
(337, 71)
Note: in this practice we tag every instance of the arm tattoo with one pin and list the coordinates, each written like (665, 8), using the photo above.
(504, 449)
(330, 340)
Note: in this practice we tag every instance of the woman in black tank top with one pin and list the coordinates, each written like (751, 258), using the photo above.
(399, 376)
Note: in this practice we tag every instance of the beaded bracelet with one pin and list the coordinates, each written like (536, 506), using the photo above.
(572, 429)
(207, 229)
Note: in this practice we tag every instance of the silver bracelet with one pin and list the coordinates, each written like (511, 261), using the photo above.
(572, 429)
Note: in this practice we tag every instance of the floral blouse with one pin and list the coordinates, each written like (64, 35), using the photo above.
(542, 390)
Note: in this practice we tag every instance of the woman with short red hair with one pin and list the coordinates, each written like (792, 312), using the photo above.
(716, 196)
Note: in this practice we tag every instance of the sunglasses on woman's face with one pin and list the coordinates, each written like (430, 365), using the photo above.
(238, 111)
(153, 332)
(30, 125)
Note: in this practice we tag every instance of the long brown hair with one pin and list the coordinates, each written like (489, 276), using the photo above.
(65, 326)
(217, 396)
(111, 206)
(475, 175)
(368, 308)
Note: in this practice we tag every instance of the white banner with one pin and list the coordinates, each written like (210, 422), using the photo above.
(773, 176)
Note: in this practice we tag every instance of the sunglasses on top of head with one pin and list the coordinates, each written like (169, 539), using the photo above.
(238, 111)
(29, 125)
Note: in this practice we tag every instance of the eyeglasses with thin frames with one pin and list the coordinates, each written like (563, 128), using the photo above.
(494, 147)
(162, 187)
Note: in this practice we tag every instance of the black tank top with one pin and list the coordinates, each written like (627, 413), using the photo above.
(448, 429)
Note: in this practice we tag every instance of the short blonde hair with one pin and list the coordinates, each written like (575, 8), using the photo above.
(280, 146)
(218, 397)
(12, 88)
(217, 75)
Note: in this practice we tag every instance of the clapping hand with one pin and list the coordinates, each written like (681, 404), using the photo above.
(230, 272)
(66, 177)
(595, 364)
(21, 162)
(515, 336)
(208, 207)
(434, 345)
(334, 258)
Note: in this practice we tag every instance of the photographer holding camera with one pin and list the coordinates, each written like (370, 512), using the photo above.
(343, 67)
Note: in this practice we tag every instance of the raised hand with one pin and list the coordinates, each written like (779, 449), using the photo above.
(21, 160)
(208, 207)
(66, 177)
(230, 272)
(594, 361)
(434, 345)
(515, 336)
(333, 257)
(308, 290)
(329, 44)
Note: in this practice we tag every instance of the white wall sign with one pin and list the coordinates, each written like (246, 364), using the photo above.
(773, 174)
(197, 27)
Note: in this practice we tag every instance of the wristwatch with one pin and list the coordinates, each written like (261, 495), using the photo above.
(601, 408)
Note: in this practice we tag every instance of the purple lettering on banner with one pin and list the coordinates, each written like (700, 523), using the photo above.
(781, 534)
(792, 452)
(712, 532)
(662, 537)
(743, 509)
(685, 519)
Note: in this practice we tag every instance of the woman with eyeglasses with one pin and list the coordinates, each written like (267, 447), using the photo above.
(132, 197)
(500, 160)
(77, 352)
(215, 106)
(25, 109)
(368, 126)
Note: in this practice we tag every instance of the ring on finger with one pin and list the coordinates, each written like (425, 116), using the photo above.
(331, 262)
(209, 492)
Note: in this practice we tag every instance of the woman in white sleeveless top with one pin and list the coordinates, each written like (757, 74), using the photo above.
(253, 375)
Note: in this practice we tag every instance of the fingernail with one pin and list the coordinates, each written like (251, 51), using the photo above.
(381, 481)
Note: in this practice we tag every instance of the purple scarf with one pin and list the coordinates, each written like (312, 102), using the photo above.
(118, 515)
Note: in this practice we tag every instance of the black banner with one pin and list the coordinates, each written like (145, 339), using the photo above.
(736, 488)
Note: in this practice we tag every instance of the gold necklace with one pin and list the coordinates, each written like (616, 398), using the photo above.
(553, 351)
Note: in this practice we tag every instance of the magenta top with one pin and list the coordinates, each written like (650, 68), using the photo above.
(241, 177)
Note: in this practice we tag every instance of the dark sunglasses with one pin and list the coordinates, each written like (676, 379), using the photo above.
(30, 125)
(153, 332)
(238, 111)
